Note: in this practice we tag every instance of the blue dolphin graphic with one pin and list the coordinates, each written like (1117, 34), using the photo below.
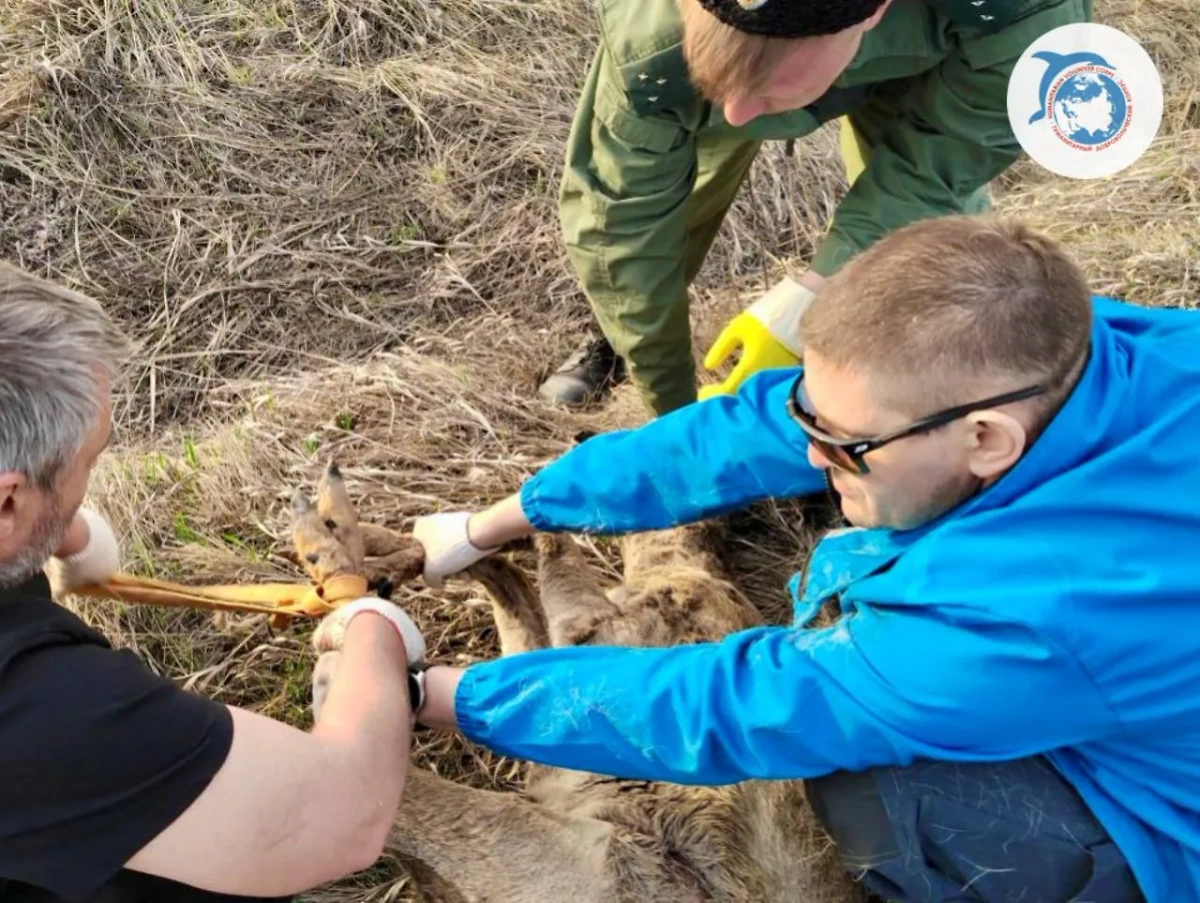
(1057, 63)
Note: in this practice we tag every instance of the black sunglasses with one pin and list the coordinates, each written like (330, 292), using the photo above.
(847, 454)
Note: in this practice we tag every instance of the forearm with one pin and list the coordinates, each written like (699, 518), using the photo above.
(774, 703)
(701, 461)
(366, 716)
(711, 713)
(290, 810)
(500, 524)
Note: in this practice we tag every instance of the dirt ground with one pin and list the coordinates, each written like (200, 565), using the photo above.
(331, 227)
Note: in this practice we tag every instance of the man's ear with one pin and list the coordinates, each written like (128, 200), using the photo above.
(11, 483)
(996, 442)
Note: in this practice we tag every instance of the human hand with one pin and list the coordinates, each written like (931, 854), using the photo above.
(331, 632)
(89, 554)
(767, 333)
(447, 544)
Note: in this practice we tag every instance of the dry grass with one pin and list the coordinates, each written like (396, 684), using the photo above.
(332, 226)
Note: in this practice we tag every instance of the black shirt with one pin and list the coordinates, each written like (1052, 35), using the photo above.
(97, 756)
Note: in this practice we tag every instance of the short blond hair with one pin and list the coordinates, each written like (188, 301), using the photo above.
(723, 62)
(945, 306)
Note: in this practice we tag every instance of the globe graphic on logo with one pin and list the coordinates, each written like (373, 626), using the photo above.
(1090, 108)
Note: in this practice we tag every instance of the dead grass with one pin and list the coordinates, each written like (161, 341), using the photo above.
(332, 227)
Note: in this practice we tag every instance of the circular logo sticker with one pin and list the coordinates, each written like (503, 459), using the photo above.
(1085, 101)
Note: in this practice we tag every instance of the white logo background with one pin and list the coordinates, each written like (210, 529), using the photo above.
(1085, 140)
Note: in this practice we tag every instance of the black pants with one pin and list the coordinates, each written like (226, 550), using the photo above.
(975, 832)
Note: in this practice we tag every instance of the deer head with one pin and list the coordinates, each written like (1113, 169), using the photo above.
(327, 536)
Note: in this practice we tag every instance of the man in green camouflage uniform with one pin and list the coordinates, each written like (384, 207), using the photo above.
(652, 166)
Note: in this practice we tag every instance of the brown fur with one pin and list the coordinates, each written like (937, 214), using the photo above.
(576, 837)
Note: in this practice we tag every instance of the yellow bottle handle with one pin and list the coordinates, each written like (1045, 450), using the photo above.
(759, 351)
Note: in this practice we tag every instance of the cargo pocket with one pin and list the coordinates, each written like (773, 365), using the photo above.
(638, 155)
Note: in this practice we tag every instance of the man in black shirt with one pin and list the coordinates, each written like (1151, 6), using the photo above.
(115, 785)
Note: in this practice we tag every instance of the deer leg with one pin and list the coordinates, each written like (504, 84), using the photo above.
(699, 545)
(466, 845)
(576, 607)
(391, 555)
(519, 618)
(379, 540)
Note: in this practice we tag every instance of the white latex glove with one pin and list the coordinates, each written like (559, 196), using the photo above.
(448, 547)
(96, 562)
(331, 632)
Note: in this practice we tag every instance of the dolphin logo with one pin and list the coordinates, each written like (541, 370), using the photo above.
(1057, 63)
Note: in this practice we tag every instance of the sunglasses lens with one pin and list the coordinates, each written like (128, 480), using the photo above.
(837, 456)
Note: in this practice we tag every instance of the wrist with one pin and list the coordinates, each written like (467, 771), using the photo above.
(372, 627)
(441, 687)
(492, 528)
(780, 311)
(333, 631)
(478, 531)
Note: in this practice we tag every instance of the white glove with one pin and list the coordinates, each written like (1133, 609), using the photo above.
(331, 632)
(448, 547)
(96, 562)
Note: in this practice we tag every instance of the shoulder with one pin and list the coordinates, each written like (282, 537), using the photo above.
(57, 673)
(31, 619)
(1137, 320)
(99, 755)
(996, 16)
(997, 32)
(644, 41)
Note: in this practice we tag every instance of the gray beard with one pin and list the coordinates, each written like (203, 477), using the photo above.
(44, 541)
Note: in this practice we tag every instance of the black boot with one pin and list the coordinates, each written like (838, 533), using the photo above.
(586, 375)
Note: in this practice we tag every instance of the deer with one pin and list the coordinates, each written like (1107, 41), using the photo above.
(577, 837)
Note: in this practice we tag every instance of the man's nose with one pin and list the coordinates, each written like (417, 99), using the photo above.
(740, 110)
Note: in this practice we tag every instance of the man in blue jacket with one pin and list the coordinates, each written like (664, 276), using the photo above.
(1009, 706)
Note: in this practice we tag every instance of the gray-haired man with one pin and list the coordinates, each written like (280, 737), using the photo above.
(116, 785)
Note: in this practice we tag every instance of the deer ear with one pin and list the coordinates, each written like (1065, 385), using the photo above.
(332, 497)
(300, 503)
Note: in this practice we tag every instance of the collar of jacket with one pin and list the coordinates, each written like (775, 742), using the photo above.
(1081, 429)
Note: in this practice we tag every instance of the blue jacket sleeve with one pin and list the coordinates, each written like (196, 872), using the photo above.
(699, 461)
(882, 686)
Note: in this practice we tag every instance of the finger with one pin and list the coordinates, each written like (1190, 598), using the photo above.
(433, 579)
(328, 635)
(727, 342)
